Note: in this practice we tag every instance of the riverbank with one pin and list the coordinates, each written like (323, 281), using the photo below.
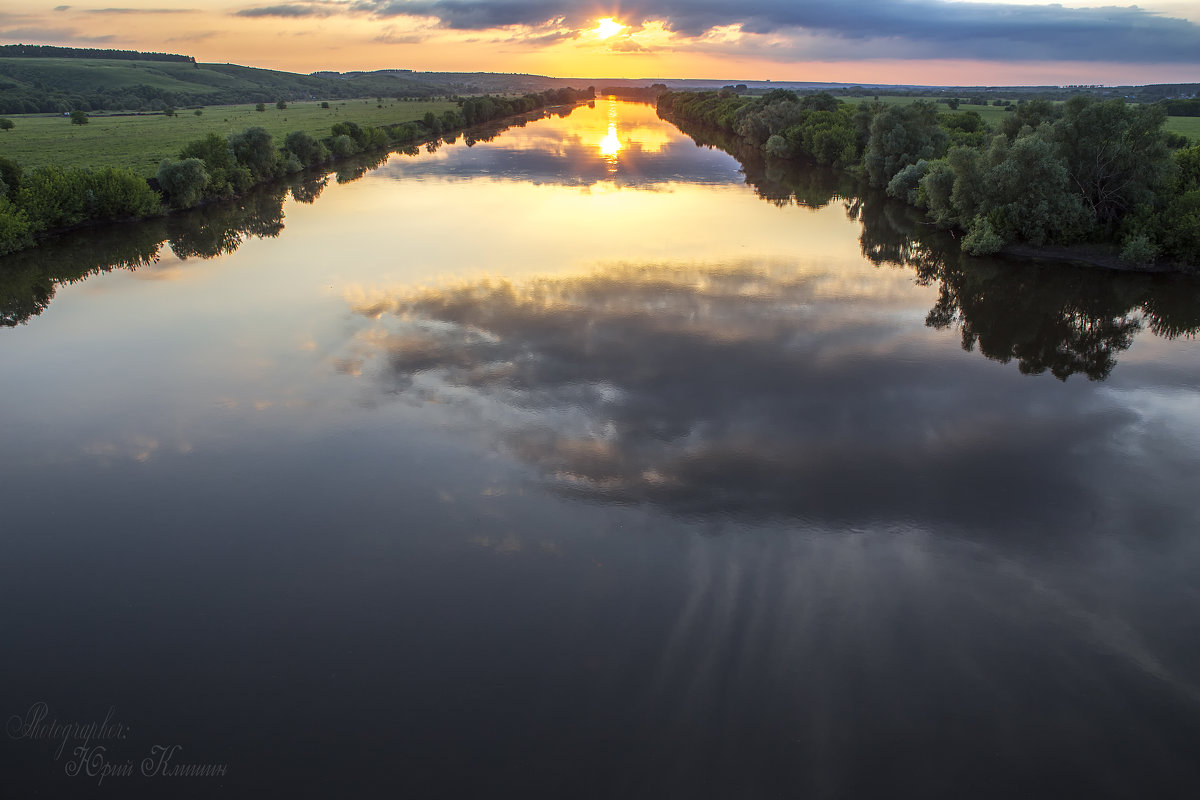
(49, 201)
(1098, 183)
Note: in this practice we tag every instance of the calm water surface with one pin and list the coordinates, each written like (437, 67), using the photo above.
(586, 461)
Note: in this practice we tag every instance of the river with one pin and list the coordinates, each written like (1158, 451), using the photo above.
(584, 460)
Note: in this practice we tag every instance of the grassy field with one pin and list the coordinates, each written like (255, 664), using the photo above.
(1188, 126)
(141, 142)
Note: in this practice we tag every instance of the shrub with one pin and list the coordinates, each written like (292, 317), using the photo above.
(982, 239)
(15, 231)
(342, 146)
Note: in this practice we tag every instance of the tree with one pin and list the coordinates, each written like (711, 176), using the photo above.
(79, 117)
(307, 150)
(1116, 154)
(280, 104)
(902, 135)
(254, 149)
(182, 181)
(260, 107)
(6, 124)
(953, 103)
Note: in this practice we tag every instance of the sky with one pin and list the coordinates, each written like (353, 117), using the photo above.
(1009, 42)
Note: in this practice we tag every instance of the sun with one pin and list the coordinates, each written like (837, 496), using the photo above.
(607, 28)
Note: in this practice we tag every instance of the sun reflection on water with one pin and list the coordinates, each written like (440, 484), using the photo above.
(610, 145)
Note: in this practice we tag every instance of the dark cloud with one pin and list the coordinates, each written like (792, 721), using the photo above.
(921, 28)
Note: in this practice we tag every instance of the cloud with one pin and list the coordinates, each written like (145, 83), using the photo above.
(627, 46)
(138, 11)
(833, 30)
(290, 10)
(56, 36)
(703, 390)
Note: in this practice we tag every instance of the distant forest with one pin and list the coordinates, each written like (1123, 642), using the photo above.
(49, 51)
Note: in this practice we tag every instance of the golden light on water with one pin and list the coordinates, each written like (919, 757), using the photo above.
(607, 28)
(610, 145)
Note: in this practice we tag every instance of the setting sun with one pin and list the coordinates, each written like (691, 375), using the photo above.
(607, 28)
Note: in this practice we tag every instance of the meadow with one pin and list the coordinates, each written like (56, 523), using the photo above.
(1188, 126)
(140, 142)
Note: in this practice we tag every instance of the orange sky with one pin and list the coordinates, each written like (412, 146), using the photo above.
(767, 39)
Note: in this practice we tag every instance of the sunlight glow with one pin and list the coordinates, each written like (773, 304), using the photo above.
(607, 28)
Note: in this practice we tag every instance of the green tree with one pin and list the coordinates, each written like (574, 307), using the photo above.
(254, 149)
(260, 107)
(902, 135)
(308, 151)
(6, 124)
(280, 104)
(182, 181)
(79, 117)
(1116, 154)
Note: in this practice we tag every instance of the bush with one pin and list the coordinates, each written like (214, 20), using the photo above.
(982, 239)
(54, 197)
(307, 150)
(15, 231)
(118, 194)
(183, 181)
(342, 146)
(1139, 250)
(904, 184)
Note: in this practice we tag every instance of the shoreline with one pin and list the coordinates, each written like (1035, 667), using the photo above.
(166, 210)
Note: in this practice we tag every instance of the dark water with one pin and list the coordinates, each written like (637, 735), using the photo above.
(563, 465)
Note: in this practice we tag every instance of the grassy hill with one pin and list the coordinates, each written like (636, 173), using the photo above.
(55, 85)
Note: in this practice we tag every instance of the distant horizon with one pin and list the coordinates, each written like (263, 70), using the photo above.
(884, 42)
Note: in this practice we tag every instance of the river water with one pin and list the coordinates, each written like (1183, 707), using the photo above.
(584, 460)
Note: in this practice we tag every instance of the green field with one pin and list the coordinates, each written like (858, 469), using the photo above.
(1188, 126)
(141, 142)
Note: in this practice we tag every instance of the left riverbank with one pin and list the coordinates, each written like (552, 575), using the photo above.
(48, 201)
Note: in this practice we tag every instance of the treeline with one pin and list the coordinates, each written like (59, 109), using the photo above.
(1181, 108)
(125, 98)
(52, 199)
(50, 51)
(1085, 171)
(645, 94)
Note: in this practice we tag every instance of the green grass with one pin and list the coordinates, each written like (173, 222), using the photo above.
(141, 142)
(1188, 126)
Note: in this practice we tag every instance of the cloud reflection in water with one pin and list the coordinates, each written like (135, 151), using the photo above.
(749, 392)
